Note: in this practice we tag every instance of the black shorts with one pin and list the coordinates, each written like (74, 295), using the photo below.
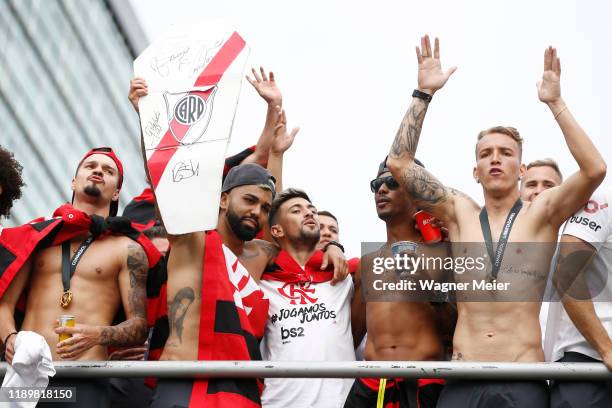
(89, 392)
(494, 394)
(172, 393)
(583, 394)
(399, 393)
(129, 393)
(176, 393)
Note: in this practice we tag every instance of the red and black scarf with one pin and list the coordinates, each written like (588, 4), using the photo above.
(286, 269)
(226, 332)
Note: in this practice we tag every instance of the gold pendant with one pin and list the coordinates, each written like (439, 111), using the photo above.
(66, 298)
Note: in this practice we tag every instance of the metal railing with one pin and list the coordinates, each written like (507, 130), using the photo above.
(333, 369)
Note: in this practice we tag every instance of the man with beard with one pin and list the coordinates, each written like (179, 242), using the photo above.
(90, 277)
(11, 182)
(309, 315)
(486, 330)
(215, 308)
(415, 332)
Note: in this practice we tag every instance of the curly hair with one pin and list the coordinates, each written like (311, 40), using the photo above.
(10, 181)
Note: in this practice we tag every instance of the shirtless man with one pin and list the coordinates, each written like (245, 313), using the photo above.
(111, 273)
(413, 333)
(486, 331)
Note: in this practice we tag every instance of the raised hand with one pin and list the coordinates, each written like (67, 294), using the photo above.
(282, 139)
(266, 86)
(549, 88)
(431, 77)
(138, 88)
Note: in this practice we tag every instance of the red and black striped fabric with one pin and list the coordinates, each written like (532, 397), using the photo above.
(286, 269)
(141, 210)
(19, 243)
(226, 332)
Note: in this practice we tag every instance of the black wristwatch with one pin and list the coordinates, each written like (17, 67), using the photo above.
(335, 243)
(421, 95)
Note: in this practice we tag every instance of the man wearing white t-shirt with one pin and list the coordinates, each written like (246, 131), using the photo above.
(583, 278)
(309, 315)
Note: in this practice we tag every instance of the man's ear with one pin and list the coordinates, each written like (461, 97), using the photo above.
(475, 174)
(115, 196)
(224, 201)
(73, 185)
(522, 171)
(277, 231)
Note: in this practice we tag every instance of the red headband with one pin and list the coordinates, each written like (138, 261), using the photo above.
(107, 151)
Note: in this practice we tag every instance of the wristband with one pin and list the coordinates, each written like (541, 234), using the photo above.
(8, 337)
(421, 95)
(560, 112)
(335, 243)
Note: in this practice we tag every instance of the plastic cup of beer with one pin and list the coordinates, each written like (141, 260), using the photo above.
(430, 233)
(65, 321)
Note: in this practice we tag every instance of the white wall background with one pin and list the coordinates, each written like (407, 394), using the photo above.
(347, 70)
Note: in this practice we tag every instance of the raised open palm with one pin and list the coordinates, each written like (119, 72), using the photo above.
(549, 88)
(431, 77)
(265, 86)
(282, 139)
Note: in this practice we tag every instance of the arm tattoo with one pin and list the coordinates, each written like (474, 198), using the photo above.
(177, 310)
(407, 137)
(138, 267)
(423, 187)
(133, 331)
(269, 249)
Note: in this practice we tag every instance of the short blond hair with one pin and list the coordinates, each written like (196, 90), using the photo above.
(504, 130)
(546, 162)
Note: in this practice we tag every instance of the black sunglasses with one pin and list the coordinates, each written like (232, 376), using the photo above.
(102, 149)
(391, 183)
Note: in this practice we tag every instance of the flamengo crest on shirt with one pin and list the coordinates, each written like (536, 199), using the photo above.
(302, 292)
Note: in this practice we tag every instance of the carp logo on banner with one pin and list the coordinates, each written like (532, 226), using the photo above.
(191, 111)
(298, 292)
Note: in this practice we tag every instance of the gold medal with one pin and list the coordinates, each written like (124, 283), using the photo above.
(66, 298)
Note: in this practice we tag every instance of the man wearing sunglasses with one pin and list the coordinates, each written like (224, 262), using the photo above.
(398, 329)
(486, 330)
(85, 267)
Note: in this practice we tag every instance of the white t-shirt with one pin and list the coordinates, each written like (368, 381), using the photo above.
(592, 224)
(307, 322)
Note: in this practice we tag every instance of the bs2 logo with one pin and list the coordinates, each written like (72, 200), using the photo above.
(292, 332)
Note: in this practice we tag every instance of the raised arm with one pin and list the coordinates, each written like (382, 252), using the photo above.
(563, 201)
(280, 144)
(267, 88)
(424, 189)
(131, 332)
